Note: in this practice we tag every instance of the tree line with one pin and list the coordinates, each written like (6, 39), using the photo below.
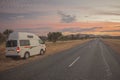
(51, 36)
(5, 35)
(55, 36)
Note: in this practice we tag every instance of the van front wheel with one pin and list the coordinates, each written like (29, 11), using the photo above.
(42, 52)
(26, 56)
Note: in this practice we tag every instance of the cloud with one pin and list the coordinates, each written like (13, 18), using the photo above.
(80, 29)
(116, 26)
(37, 28)
(65, 18)
(111, 31)
(34, 30)
(110, 13)
(17, 17)
(14, 16)
(116, 6)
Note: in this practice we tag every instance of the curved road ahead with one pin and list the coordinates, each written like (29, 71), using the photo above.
(90, 61)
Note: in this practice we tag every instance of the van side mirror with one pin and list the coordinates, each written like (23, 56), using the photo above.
(43, 42)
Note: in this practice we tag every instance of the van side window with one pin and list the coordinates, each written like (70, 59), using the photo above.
(29, 36)
(24, 42)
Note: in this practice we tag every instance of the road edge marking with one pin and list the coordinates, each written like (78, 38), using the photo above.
(107, 67)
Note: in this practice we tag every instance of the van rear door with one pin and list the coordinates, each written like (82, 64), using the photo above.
(11, 46)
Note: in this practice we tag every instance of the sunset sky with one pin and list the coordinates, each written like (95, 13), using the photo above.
(100, 17)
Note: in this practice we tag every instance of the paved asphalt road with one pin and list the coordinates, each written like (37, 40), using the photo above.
(90, 61)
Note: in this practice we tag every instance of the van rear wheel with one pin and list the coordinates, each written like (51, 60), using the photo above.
(26, 56)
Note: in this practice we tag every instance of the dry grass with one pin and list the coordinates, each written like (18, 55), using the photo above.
(114, 44)
(60, 46)
(52, 48)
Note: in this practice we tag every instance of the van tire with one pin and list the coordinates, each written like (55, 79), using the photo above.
(26, 55)
(42, 52)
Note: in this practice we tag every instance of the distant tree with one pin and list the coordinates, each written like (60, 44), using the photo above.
(54, 36)
(7, 32)
(87, 36)
(2, 38)
(72, 36)
(63, 38)
(77, 36)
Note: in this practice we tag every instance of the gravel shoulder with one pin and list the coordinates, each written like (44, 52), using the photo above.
(114, 44)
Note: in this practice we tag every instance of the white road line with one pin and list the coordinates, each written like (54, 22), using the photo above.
(74, 61)
(108, 71)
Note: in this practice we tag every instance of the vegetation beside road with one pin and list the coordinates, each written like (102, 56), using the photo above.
(113, 43)
(52, 48)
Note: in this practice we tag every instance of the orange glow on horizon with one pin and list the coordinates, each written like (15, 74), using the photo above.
(106, 29)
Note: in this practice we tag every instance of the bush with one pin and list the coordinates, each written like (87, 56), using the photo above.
(54, 36)
(2, 38)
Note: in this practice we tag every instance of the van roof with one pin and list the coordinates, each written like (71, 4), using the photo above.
(22, 35)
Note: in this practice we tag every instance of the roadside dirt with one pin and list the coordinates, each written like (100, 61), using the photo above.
(52, 48)
(114, 44)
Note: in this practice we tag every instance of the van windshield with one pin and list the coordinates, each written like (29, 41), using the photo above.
(11, 43)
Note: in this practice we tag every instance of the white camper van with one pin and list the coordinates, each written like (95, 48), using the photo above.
(24, 45)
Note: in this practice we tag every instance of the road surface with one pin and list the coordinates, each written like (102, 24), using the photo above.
(90, 61)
